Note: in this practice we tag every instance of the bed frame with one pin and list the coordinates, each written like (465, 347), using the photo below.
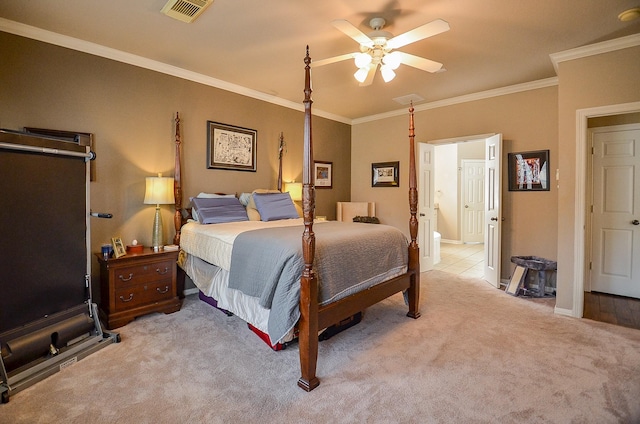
(312, 316)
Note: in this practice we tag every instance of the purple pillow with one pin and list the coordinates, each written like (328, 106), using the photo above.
(274, 206)
(219, 209)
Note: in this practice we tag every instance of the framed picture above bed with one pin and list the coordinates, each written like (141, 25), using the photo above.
(385, 174)
(230, 147)
(324, 174)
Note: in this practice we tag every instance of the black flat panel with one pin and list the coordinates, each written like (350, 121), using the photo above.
(43, 251)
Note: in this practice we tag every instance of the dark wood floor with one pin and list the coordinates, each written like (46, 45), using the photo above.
(624, 311)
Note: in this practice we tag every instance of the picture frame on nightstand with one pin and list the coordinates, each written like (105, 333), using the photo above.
(118, 247)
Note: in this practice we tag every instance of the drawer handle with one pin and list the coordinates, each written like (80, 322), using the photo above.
(166, 269)
(166, 289)
(127, 300)
(125, 279)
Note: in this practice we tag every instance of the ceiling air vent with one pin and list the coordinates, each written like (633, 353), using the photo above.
(185, 10)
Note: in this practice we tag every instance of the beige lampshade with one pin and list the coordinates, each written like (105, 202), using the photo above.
(295, 190)
(159, 191)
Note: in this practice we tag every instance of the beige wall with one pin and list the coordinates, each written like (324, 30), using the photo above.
(595, 81)
(526, 120)
(131, 112)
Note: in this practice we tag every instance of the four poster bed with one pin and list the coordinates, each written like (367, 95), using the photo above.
(317, 284)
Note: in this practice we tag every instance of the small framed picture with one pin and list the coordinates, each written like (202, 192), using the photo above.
(385, 174)
(118, 247)
(529, 171)
(323, 172)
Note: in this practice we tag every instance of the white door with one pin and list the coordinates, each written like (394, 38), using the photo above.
(425, 205)
(473, 201)
(493, 209)
(615, 265)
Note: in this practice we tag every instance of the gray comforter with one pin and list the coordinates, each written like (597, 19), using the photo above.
(350, 257)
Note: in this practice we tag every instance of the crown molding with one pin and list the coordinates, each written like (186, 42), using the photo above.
(594, 49)
(511, 89)
(50, 37)
(72, 43)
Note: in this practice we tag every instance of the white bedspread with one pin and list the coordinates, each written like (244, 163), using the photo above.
(214, 242)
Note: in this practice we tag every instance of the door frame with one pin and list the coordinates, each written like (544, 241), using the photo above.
(582, 144)
(456, 140)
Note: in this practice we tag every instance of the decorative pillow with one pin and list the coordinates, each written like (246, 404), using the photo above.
(213, 195)
(244, 198)
(252, 211)
(274, 206)
(215, 210)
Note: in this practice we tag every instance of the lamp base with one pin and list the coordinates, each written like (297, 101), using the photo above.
(156, 238)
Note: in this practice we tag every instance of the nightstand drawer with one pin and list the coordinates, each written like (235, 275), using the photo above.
(134, 296)
(139, 274)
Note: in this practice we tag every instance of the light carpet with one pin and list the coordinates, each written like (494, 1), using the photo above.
(477, 355)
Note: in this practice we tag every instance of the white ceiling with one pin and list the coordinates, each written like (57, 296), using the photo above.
(260, 44)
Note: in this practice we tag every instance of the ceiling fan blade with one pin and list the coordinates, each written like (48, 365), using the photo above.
(330, 60)
(418, 62)
(372, 73)
(353, 32)
(427, 30)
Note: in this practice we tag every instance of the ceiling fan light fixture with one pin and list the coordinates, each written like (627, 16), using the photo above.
(362, 60)
(392, 60)
(387, 73)
(361, 74)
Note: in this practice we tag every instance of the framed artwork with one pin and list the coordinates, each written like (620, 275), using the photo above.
(529, 171)
(118, 247)
(385, 174)
(323, 172)
(230, 147)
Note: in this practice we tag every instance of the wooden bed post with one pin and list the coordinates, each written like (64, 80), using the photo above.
(308, 324)
(280, 153)
(414, 250)
(177, 186)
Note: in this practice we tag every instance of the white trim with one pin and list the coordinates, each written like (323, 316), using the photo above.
(582, 130)
(517, 88)
(565, 312)
(50, 37)
(463, 139)
(594, 49)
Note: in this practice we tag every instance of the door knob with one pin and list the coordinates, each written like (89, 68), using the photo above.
(635, 222)
(466, 206)
(494, 218)
(422, 214)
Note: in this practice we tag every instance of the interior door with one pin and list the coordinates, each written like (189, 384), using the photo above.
(473, 201)
(425, 205)
(493, 209)
(616, 211)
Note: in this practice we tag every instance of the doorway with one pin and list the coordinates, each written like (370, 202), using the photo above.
(581, 199)
(458, 254)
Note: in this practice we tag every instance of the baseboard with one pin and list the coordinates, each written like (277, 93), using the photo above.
(563, 311)
(193, 290)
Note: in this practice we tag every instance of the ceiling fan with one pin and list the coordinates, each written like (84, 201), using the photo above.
(379, 48)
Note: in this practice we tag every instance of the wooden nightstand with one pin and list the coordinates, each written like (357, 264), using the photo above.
(137, 284)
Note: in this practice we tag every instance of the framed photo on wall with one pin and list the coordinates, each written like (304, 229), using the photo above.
(323, 172)
(230, 147)
(385, 174)
(529, 171)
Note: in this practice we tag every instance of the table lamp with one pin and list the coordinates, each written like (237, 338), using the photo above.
(295, 190)
(159, 191)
